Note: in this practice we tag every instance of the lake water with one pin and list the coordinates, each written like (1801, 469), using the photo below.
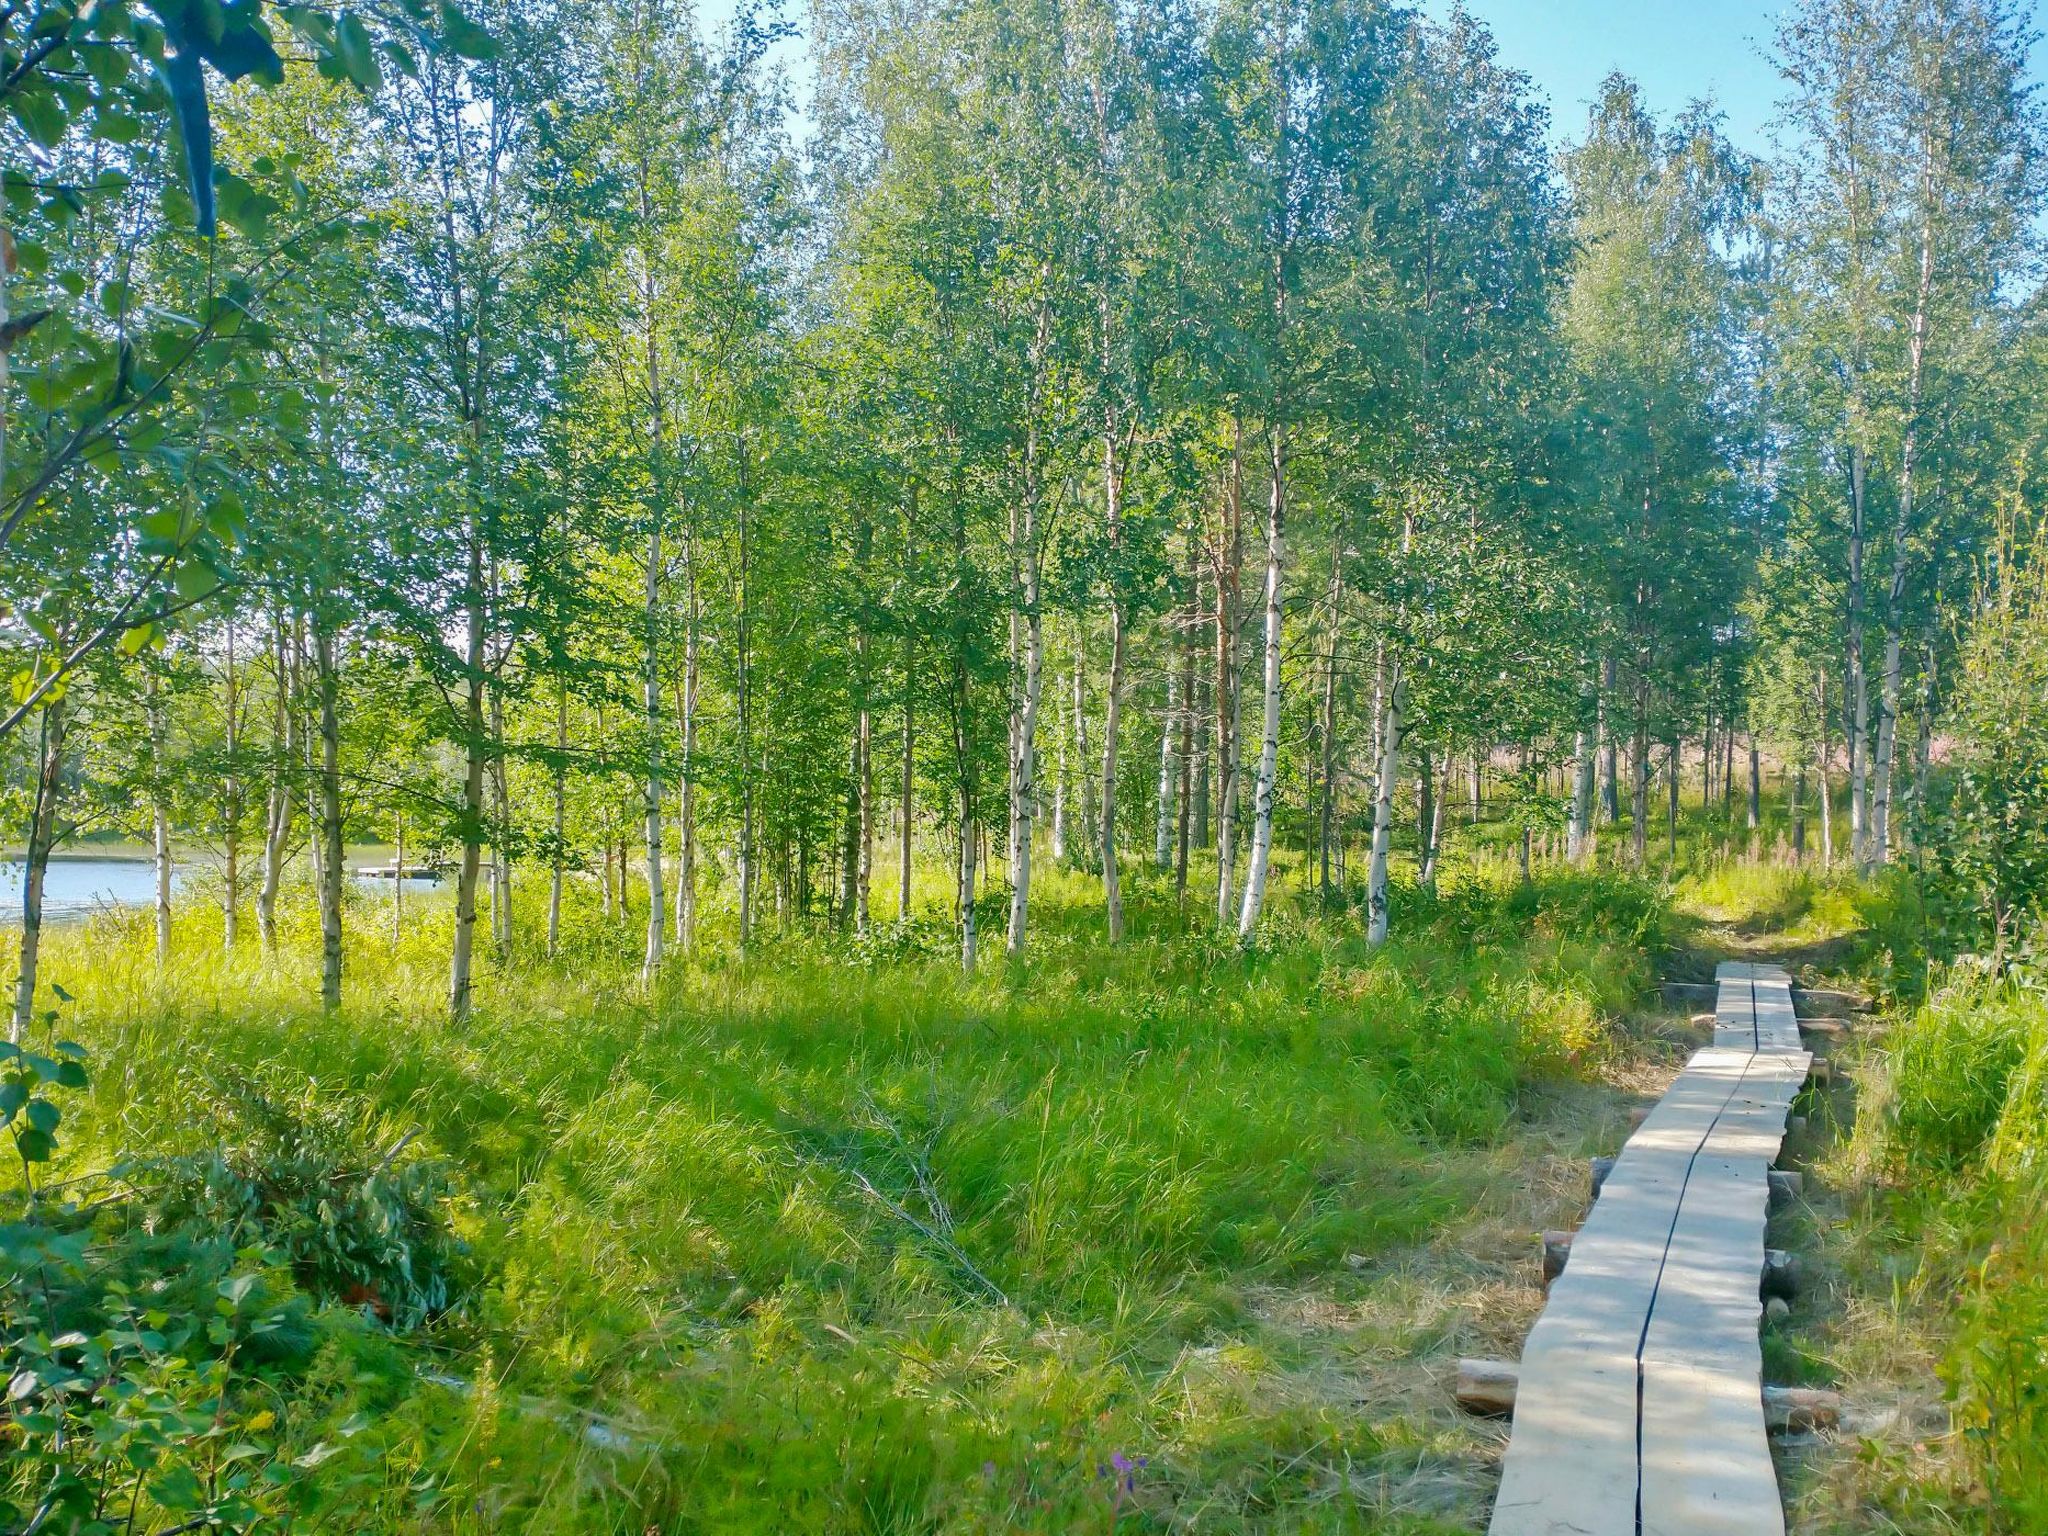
(76, 887)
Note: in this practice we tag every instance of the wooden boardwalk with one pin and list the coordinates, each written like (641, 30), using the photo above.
(1639, 1408)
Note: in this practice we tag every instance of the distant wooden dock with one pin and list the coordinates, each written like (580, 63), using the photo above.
(1639, 1404)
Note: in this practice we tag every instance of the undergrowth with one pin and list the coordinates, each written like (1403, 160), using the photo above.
(825, 1238)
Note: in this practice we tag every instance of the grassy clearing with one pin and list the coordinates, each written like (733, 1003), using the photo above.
(833, 1240)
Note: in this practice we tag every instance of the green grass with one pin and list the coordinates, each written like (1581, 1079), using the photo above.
(835, 1240)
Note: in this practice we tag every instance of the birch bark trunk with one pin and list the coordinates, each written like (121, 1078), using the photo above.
(650, 710)
(1229, 690)
(1260, 863)
(1112, 888)
(1024, 728)
(1856, 683)
(463, 949)
(159, 816)
(1162, 820)
(1610, 765)
(330, 813)
(42, 836)
(1878, 851)
(1579, 836)
(279, 821)
(1827, 754)
(231, 802)
(907, 817)
(1059, 789)
(686, 770)
(1376, 883)
(558, 853)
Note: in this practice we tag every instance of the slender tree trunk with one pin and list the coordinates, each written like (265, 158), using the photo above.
(1091, 841)
(969, 939)
(398, 879)
(501, 802)
(1856, 684)
(907, 816)
(1425, 811)
(650, 706)
(1191, 627)
(743, 691)
(1827, 754)
(1639, 806)
(1162, 821)
(278, 827)
(159, 815)
(42, 837)
(1580, 834)
(1878, 849)
(1610, 767)
(1671, 807)
(1112, 709)
(686, 770)
(1328, 828)
(1376, 885)
(473, 810)
(1024, 732)
(907, 787)
(330, 814)
(1229, 690)
(309, 746)
(1756, 786)
(864, 791)
(1433, 851)
(1799, 813)
(1923, 755)
(1198, 722)
(231, 801)
(558, 853)
(1059, 788)
(1259, 865)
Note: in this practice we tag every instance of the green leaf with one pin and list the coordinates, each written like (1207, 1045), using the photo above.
(45, 1116)
(237, 1288)
(34, 1146)
(114, 125)
(135, 641)
(352, 45)
(41, 114)
(195, 580)
(463, 36)
(71, 1074)
(13, 1094)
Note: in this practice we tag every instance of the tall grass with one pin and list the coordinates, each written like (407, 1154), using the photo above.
(832, 1239)
(1957, 1121)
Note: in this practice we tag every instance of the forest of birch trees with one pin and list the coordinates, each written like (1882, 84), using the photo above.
(1220, 443)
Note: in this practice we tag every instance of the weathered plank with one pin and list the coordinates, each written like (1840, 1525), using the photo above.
(1706, 1469)
(1639, 1405)
(1572, 1464)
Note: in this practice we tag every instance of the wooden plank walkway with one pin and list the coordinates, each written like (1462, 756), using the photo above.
(1639, 1408)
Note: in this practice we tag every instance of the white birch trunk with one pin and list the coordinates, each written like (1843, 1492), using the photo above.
(650, 705)
(1260, 863)
(1376, 885)
(1162, 832)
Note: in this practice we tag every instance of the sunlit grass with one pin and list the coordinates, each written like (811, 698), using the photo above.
(838, 1239)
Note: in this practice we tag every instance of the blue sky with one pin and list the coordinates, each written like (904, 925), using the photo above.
(1677, 50)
